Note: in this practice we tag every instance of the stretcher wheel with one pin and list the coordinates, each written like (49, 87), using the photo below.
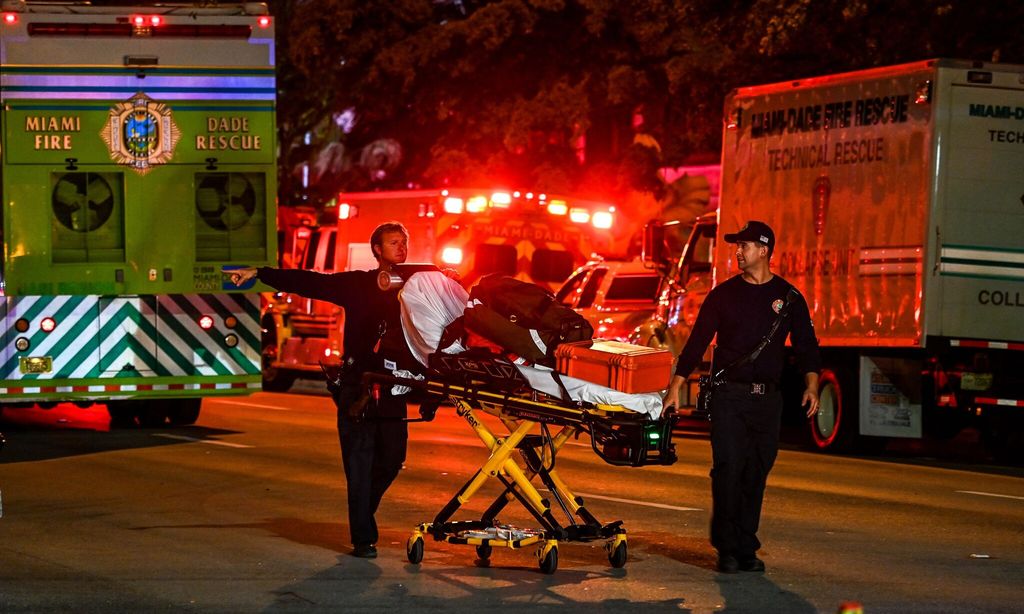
(617, 557)
(549, 563)
(414, 550)
(483, 551)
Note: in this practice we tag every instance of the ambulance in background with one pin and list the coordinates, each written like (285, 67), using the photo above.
(536, 237)
(896, 198)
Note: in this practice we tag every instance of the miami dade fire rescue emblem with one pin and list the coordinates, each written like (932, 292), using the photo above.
(140, 133)
(777, 305)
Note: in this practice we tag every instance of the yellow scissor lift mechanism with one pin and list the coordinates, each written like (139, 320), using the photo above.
(618, 435)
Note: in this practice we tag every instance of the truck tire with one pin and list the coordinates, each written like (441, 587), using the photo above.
(183, 412)
(834, 427)
(274, 379)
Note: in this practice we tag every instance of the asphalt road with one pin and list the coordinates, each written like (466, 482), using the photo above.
(245, 512)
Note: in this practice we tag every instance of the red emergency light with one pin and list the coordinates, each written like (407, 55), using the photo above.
(263, 22)
(347, 211)
(10, 18)
(47, 324)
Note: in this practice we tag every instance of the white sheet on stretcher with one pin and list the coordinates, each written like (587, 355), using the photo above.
(431, 301)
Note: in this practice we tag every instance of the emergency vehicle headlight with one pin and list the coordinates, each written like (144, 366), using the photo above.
(21, 325)
(47, 324)
(231, 340)
(602, 219)
(453, 204)
(21, 343)
(205, 322)
(451, 255)
(501, 199)
(476, 204)
(580, 216)
(558, 207)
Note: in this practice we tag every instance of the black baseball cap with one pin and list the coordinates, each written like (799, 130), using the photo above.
(757, 232)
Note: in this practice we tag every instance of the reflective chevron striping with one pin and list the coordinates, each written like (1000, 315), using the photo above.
(100, 338)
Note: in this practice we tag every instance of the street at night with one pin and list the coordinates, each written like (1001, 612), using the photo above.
(246, 512)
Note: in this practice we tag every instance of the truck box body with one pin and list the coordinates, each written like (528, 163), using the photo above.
(896, 197)
(895, 194)
(622, 366)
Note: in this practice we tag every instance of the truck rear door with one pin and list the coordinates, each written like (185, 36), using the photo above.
(980, 208)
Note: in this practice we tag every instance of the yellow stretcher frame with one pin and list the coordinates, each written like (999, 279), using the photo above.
(527, 421)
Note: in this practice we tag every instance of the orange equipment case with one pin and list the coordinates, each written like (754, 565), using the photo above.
(622, 366)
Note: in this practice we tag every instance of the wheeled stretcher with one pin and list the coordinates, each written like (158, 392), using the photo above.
(540, 411)
(538, 426)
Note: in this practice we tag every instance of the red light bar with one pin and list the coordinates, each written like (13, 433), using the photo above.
(79, 29)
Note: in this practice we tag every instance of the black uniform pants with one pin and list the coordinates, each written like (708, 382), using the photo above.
(372, 452)
(744, 444)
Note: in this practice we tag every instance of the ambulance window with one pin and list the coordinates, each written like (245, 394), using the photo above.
(231, 216)
(87, 223)
(311, 248)
(495, 259)
(567, 293)
(633, 288)
(551, 265)
(702, 251)
(329, 258)
(590, 290)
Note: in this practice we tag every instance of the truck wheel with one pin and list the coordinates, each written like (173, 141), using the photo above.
(274, 380)
(834, 427)
(183, 412)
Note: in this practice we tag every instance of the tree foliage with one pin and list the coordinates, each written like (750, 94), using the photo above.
(589, 96)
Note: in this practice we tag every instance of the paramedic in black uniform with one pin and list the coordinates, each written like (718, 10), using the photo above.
(372, 449)
(746, 411)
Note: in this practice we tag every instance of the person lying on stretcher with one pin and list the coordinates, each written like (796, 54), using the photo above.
(432, 302)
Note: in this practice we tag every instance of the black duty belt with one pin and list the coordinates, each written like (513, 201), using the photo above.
(753, 388)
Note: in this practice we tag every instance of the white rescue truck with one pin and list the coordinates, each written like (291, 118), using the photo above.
(897, 198)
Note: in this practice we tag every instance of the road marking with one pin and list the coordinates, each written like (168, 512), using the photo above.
(662, 506)
(212, 442)
(223, 402)
(990, 494)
